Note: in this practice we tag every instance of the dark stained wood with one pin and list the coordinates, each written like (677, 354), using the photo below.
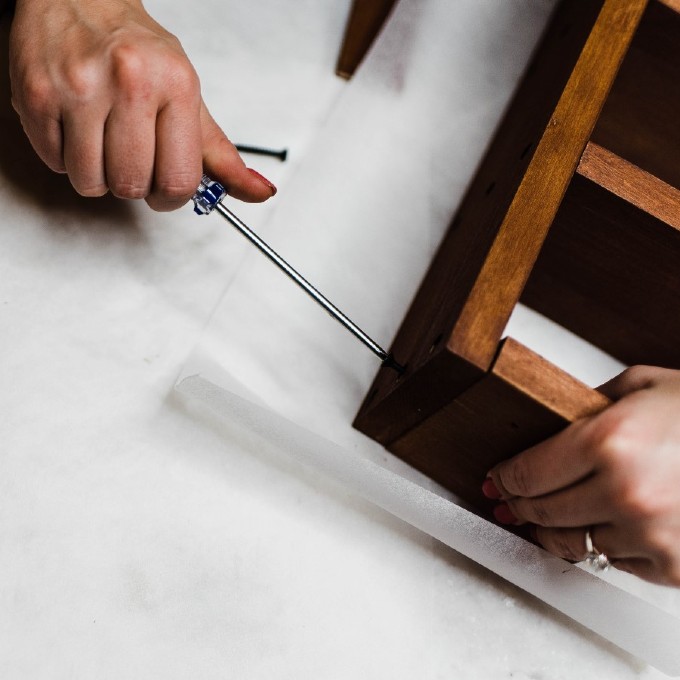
(632, 184)
(610, 267)
(506, 269)
(595, 190)
(640, 121)
(418, 394)
(450, 334)
(365, 22)
(522, 400)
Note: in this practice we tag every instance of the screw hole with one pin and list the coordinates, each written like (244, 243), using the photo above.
(436, 342)
(490, 188)
(526, 150)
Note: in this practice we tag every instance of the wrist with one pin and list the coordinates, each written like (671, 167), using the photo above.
(23, 5)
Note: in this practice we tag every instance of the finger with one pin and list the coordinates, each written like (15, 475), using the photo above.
(84, 152)
(579, 505)
(570, 543)
(34, 100)
(179, 165)
(553, 464)
(633, 379)
(640, 567)
(223, 162)
(649, 570)
(46, 138)
(129, 149)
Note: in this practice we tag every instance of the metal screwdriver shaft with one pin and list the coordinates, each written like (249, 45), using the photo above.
(209, 198)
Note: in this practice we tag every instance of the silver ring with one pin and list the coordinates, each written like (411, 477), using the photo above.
(594, 558)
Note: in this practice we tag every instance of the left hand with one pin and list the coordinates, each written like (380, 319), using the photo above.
(617, 473)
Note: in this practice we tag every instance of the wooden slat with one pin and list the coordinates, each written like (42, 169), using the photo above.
(365, 22)
(609, 270)
(632, 184)
(640, 121)
(524, 228)
(435, 376)
(521, 401)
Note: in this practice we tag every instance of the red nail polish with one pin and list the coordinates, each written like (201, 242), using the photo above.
(490, 490)
(503, 514)
(264, 180)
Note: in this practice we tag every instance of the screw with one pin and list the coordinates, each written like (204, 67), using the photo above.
(281, 155)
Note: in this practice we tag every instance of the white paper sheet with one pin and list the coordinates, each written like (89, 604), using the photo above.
(361, 220)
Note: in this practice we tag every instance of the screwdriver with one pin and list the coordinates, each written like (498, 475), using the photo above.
(209, 197)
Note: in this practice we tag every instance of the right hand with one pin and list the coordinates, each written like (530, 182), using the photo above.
(108, 96)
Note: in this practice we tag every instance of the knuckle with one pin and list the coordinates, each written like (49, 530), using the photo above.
(93, 190)
(130, 190)
(129, 70)
(608, 439)
(637, 501)
(640, 375)
(515, 477)
(538, 512)
(81, 79)
(183, 76)
(563, 546)
(177, 187)
(36, 96)
(662, 544)
(137, 77)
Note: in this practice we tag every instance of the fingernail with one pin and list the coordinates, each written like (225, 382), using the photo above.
(490, 490)
(264, 180)
(503, 514)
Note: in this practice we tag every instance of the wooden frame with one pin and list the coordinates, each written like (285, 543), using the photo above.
(366, 20)
(575, 211)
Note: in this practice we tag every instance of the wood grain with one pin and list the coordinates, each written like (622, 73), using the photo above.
(524, 228)
(609, 268)
(605, 220)
(632, 184)
(522, 400)
(366, 19)
(640, 119)
(435, 373)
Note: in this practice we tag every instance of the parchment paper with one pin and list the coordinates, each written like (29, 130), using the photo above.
(361, 219)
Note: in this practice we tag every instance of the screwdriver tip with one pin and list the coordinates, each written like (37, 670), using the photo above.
(390, 362)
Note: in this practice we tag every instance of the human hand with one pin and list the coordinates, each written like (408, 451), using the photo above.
(617, 473)
(107, 95)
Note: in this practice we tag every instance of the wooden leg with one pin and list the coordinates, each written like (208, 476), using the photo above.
(366, 19)
(467, 399)
(521, 400)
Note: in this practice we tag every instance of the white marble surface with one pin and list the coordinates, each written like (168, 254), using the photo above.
(141, 538)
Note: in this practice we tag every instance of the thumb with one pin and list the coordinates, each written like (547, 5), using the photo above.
(632, 380)
(223, 163)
